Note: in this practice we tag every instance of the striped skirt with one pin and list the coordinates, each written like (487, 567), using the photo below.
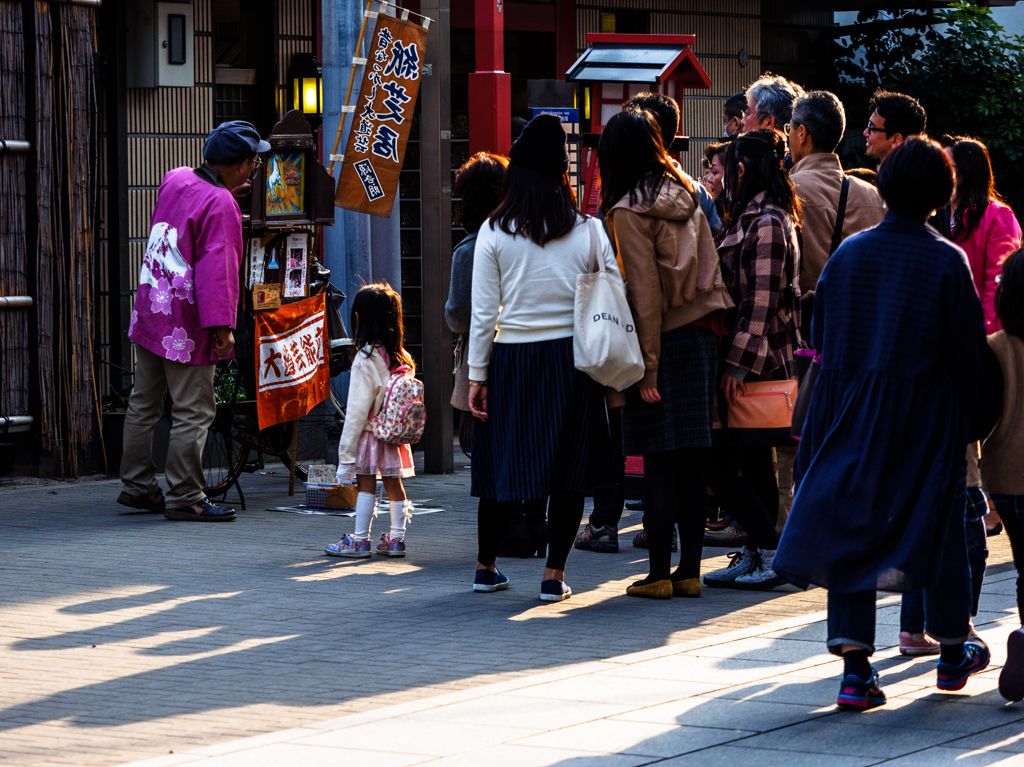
(546, 417)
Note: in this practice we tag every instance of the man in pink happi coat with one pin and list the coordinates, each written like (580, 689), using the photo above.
(184, 315)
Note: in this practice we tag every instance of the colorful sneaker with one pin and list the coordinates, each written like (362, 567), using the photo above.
(731, 536)
(554, 590)
(604, 539)
(857, 695)
(741, 562)
(918, 644)
(762, 577)
(953, 678)
(391, 547)
(1011, 678)
(350, 546)
(640, 540)
(490, 580)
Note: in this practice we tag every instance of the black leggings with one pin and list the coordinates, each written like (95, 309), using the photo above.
(1013, 525)
(675, 492)
(753, 499)
(565, 512)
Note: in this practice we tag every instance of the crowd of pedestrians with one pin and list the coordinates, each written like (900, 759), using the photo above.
(889, 283)
(892, 302)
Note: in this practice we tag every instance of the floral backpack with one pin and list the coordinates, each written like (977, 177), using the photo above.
(403, 415)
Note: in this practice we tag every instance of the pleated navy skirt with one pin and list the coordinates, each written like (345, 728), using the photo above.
(545, 420)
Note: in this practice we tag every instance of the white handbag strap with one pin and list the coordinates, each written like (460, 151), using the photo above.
(596, 264)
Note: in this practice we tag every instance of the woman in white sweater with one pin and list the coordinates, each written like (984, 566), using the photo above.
(540, 418)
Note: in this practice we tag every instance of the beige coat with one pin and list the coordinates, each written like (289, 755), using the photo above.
(668, 257)
(818, 179)
(1002, 455)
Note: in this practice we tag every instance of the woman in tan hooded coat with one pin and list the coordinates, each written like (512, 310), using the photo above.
(675, 289)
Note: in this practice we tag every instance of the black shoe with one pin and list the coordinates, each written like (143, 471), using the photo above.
(153, 502)
(857, 695)
(210, 513)
(635, 505)
(640, 540)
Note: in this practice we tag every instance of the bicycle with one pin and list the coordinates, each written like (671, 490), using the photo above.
(235, 436)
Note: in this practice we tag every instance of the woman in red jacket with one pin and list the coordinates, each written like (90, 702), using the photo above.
(982, 224)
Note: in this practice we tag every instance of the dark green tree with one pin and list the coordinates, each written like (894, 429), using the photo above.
(969, 78)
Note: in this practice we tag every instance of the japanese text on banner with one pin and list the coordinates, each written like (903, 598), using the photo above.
(292, 374)
(383, 118)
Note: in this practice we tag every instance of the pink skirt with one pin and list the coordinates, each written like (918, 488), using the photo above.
(382, 458)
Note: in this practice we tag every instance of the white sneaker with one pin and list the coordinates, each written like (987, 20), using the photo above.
(741, 563)
(762, 577)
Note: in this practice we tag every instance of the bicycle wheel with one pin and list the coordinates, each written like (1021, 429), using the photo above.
(224, 454)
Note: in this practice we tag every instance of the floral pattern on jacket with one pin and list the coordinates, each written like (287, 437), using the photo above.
(761, 266)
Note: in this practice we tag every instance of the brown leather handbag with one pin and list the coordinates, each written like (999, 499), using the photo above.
(763, 416)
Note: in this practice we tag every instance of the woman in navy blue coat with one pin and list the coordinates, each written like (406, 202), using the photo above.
(902, 335)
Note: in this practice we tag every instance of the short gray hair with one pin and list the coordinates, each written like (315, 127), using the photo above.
(775, 97)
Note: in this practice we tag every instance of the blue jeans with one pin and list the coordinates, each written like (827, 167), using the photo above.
(1011, 511)
(947, 604)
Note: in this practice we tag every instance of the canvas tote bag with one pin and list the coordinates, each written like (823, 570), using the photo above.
(604, 341)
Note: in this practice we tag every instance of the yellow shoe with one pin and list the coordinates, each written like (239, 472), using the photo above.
(688, 588)
(655, 590)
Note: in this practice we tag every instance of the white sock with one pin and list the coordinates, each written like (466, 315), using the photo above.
(401, 514)
(366, 510)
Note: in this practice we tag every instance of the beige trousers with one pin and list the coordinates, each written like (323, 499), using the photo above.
(191, 389)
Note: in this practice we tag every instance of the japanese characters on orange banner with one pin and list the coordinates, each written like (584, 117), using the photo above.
(292, 375)
(383, 117)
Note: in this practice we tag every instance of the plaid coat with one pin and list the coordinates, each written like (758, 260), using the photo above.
(761, 266)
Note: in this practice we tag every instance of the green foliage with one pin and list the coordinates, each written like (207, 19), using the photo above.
(970, 79)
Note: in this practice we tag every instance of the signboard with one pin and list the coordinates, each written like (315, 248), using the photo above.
(292, 374)
(383, 117)
(568, 114)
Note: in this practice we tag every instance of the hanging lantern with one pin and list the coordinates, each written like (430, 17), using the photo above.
(305, 76)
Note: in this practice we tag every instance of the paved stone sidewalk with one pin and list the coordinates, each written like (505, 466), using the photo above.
(762, 696)
(124, 636)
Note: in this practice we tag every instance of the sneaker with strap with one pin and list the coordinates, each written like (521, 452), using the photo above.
(391, 547)
(350, 546)
(857, 695)
(741, 563)
(762, 577)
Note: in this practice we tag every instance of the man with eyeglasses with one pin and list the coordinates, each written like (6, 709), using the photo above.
(732, 114)
(183, 322)
(894, 118)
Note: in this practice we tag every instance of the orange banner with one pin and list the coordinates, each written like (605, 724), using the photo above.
(383, 117)
(292, 372)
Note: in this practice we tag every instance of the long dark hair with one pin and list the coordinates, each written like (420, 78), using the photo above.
(478, 184)
(539, 206)
(1009, 298)
(762, 153)
(633, 160)
(379, 323)
(974, 186)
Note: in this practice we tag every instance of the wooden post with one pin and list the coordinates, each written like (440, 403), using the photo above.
(351, 81)
(295, 450)
(436, 185)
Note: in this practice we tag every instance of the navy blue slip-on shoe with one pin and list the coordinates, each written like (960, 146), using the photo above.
(553, 590)
(1011, 678)
(209, 513)
(953, 678)
(488, 580)
(857, 695)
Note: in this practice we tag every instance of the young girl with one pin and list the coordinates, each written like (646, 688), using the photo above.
(377, 325)
(1002, 456)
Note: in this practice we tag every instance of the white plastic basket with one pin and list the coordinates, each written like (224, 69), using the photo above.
(316, 495)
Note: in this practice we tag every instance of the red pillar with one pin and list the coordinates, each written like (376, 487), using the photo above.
(490, 87)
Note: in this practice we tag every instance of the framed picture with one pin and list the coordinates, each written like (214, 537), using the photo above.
(285, 187)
